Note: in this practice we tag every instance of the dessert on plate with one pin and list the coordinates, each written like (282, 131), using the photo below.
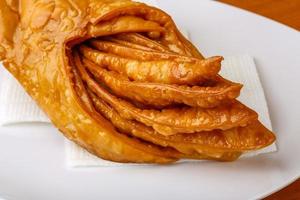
(119, 79)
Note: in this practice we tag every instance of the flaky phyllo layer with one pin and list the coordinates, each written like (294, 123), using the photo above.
(120, 80)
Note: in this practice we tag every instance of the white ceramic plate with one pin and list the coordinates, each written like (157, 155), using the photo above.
(32, 157)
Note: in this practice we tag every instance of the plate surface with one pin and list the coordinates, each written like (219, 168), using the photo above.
(32, 156)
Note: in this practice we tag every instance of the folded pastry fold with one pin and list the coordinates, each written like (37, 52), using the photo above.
(119, 79)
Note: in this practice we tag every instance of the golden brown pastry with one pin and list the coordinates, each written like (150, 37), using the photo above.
(158, 71)
(175, 120)
(119, 79)
(155, 94)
